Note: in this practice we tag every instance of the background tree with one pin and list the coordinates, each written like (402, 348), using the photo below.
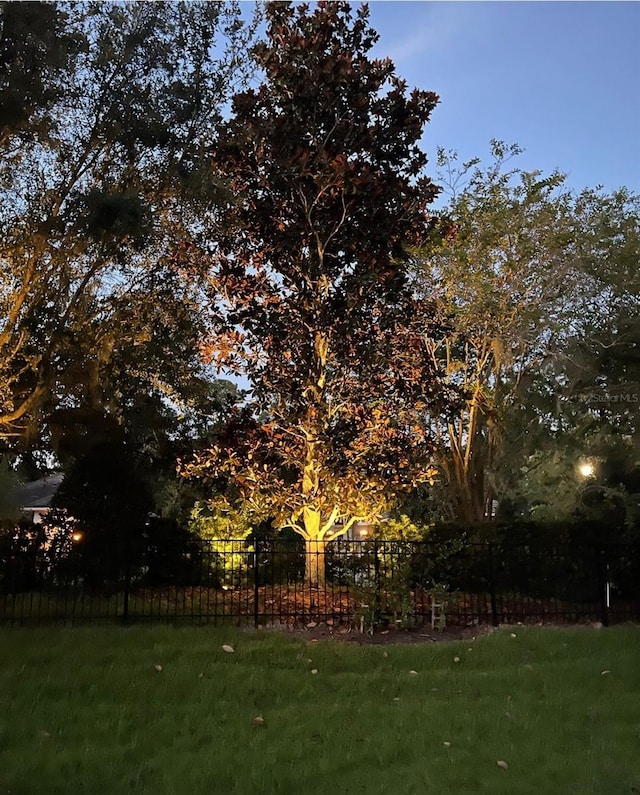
(592, 384)
(310, 301)
(100, 182)
(9, 508)
(110, 505)
(529, 279)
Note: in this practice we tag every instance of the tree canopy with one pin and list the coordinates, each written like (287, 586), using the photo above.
(542, 287)
(179, 204)
(100, 180)
(309, 293)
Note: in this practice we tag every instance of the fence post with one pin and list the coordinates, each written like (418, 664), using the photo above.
(601, 580)
(492, 587)
(376, 567)
(256, 583)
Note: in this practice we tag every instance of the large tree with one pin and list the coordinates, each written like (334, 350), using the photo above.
(100, 181)
(310, 301)
(585, 401)
(539, 282)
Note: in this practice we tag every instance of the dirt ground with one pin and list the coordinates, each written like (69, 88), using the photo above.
(315, 631)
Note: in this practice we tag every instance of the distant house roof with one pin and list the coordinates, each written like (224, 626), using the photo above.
(38, 493)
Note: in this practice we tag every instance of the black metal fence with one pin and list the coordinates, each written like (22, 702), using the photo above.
(361, 584)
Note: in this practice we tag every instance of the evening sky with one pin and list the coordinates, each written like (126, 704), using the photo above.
(561, 79)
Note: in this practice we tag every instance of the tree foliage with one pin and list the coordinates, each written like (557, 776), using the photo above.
(100, 182)
(542, 288)
(309, 291)
(36, 47)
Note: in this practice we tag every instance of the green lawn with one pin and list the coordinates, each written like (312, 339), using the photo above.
(167, 711)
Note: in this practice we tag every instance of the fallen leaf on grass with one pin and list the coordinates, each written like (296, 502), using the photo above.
(501, 763)
(413, 673)
(228, 648)
(158, 667)
(384, 654)
(258, 721)
(602, 673)
(456, 659)
(314, 670)
(447, 744)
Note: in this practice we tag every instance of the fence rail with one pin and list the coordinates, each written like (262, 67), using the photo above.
(359, 583)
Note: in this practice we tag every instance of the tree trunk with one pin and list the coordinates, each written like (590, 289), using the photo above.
(314, 547)
(314, 562)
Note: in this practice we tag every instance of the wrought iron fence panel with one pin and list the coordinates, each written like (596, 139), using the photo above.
(357, 583)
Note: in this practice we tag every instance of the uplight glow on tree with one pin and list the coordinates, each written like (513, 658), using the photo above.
(309, 290)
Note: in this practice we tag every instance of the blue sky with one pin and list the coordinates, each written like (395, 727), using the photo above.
(562, 79)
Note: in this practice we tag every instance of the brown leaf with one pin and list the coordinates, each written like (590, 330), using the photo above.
(228, 648)
(258, 721)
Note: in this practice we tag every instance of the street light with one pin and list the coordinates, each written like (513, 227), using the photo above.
(586, 469)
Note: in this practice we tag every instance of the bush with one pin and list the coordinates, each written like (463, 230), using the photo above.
(172, 555)
(36, 556)
(111, 504)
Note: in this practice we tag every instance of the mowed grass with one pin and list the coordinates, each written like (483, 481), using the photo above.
(166, 710)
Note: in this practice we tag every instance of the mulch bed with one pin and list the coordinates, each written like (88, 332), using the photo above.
(383, 637)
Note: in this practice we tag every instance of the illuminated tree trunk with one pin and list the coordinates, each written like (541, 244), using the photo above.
(314, 562)
(314, 548)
